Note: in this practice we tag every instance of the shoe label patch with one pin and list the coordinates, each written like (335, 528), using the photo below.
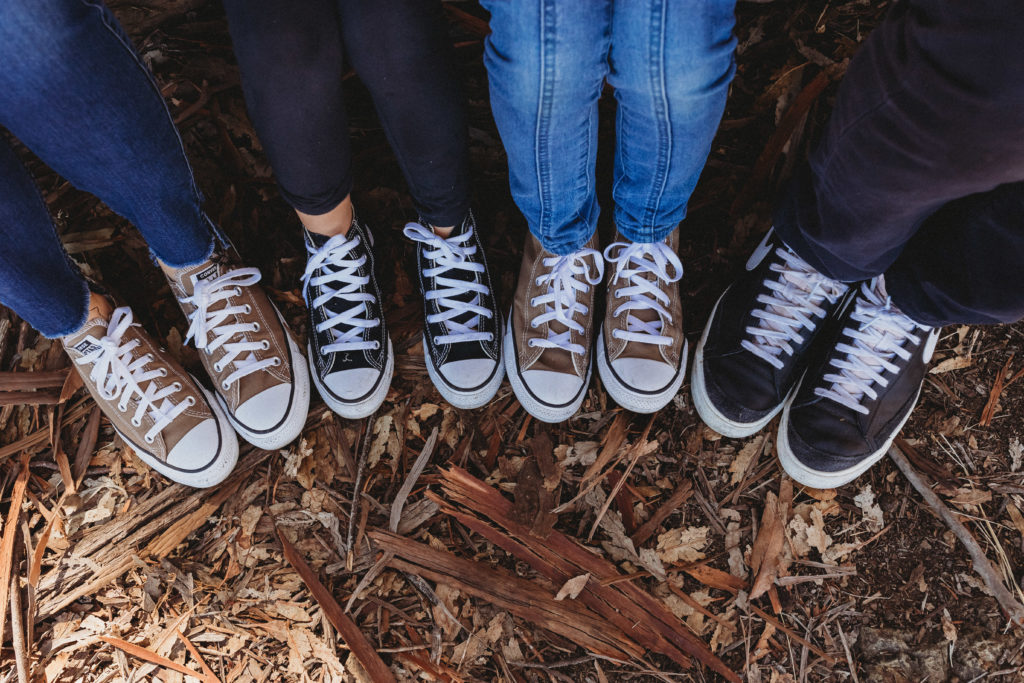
(210, 272)
(86, 346)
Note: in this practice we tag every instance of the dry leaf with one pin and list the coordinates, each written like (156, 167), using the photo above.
(573, 587)
(872, 514)
(682, 545)
(741, 462)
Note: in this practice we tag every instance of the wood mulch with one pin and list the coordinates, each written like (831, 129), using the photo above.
(436, 544)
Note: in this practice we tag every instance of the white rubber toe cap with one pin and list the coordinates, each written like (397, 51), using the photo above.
(198, 448)
(469, 373)
(266, 409)
(352, 385)
(643, 374)
(553, 388)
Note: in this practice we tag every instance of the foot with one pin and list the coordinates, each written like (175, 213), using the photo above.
(173, 424)
(462, 333)
(349, 350)
(549, 332)
(754, 347)
(257, 369)
(856, 396)
(641, 351)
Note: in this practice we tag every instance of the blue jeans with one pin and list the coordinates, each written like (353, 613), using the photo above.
(670, 63)
(73, 90)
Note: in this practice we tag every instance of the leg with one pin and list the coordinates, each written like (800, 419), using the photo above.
(37, 279)
(290, 55)
(401, 51)
(931, 109)
(547, 62)
(74, 91)
(671, 64)
(964, 265)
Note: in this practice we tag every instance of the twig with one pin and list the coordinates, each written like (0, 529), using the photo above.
(410, 481)
(1013, 609)
(678, 497)
(18, 631)
(357, 484)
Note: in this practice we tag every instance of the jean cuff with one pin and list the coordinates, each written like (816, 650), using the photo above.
(79, 322)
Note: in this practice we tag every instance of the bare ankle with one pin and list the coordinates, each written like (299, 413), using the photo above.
(337, 221)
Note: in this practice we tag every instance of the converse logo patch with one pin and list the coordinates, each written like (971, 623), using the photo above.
(207, 274)
(86, 346)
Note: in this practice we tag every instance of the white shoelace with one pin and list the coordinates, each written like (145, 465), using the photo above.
(336, 267)
(118, 375)
(878, 341)
(453, 253)
(792, 306)
(207, 323)
(569, 274)
(634, 260)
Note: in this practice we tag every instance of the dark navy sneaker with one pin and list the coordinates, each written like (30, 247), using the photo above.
(462, 331)
(754, 347)
(857, 393)
(350, 354)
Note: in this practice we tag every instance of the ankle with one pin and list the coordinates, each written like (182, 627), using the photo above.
(99, 307)
(337, 221)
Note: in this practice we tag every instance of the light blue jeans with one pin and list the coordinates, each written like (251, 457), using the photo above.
(670, 63)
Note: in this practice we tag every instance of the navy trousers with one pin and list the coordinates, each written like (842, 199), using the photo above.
(920, 173)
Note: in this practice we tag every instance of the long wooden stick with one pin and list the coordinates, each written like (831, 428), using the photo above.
(1013, 609)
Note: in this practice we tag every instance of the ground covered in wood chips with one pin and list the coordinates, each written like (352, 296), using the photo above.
(612, 547)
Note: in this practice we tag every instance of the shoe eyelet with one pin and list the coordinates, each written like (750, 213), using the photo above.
(217, 367)
(177, 386)
(255, 327)
(531, 343)
(436, 341)
(163, 372)
(376, 345)
(490, 336)
(248, 309)
(148, 439)
(190, 401)
(533, 302)
(265, 344)
(136, 423)
(225, 386)
(533, 324)
(276, 361)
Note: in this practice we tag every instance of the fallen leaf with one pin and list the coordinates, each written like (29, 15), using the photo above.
(682, 545)
(573, 587)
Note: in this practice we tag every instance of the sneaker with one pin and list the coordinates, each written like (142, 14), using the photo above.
(754, 348)
(173, 424)
(349, 349)
(257, 369)
(548, 337)
(462, 333)
(641, 350)
(856, 397)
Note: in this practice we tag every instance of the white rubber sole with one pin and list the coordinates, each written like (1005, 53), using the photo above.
(702, 402)
(628, 397)
(219, 470)
(294, 421)
(539, 410)
(817, 479)
(466, 400)
(360, 409)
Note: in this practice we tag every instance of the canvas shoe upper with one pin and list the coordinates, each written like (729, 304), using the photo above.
(349, 350)
(258, 372)
(549, 334)
(462, 330)
(857, 393)
(641, 351)
(754, 348)
(173, 424)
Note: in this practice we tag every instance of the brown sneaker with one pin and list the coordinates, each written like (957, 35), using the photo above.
(174, 425)
(258, 371)
(548, 336)
(641, 351)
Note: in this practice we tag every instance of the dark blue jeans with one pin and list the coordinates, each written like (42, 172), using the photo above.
(670, 62)
(919, 173)
(74, 91)
(291, 57)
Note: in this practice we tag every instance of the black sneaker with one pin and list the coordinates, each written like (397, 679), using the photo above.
(753, 349)
(462, 332)
(350, 354)
(858, 392)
